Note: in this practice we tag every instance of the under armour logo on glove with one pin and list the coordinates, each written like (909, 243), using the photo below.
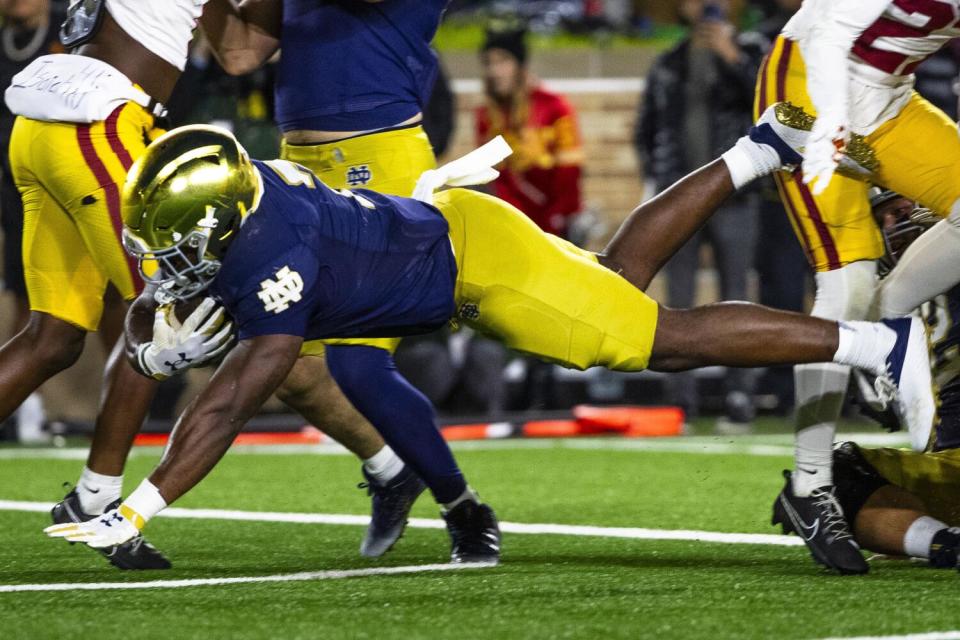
(110, 519)
(180, 363)
(278, 294)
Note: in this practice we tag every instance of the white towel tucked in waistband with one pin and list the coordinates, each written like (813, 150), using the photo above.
(472, 169)
(70, 88)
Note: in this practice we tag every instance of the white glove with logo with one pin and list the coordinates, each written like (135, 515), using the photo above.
(203, 336)
(824, 151)
(108, 530)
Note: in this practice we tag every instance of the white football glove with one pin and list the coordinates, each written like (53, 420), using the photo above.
(824, 151)
(108, 530)
(203, 336)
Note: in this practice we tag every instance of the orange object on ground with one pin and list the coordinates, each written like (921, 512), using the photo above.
(551, 429)
(631, 422)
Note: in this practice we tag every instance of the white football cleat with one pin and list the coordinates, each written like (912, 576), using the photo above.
(908, 368)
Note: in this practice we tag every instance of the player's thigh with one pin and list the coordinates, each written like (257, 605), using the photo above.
(62, 278)
(540, 296)
(919, 155)
(108, 150)
(388, 162)
(933, 477)
(782, 78)
(834, 228)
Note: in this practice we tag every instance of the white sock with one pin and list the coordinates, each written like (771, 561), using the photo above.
(865, 345)
(468, 494)
(384, 465)
(747, 161)
(145, 502)
(96, 491)
(813, 455)
(916, 542)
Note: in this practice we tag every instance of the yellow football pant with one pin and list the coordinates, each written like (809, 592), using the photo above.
(919, 156)
(388, 162)
(539, 294)
(70, 177)
(933, 477)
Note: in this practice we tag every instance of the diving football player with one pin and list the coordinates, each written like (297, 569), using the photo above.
(69, 159)
(365, 133)
(291, 260)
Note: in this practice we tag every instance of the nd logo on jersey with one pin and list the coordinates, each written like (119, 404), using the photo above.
(285, 288)
(359, 175)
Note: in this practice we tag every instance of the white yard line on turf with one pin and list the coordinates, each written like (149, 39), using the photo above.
(933, 635)
(202, 582)
(704, 445)
(634, 533)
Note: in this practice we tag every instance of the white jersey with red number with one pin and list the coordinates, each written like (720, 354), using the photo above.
(872, 46)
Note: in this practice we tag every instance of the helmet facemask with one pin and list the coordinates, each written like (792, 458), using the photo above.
(180, 271)
(184, 201)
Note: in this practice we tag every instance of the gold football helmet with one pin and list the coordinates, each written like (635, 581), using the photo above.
(183, 201)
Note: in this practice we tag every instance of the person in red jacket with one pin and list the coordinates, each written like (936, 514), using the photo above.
(542, 177)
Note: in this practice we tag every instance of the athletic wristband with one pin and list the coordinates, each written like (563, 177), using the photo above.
(144, 503)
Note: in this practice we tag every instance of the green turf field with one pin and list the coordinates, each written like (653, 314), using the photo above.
(548, 586)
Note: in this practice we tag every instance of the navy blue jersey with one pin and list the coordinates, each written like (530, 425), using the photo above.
(348, 65)
(319, 263)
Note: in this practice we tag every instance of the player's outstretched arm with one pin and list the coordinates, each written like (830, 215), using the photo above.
(243, 35)
(252, 371)
(242, 383)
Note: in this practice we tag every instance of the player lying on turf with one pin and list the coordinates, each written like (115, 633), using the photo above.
(84, 118)
(902, 502)
(291, 259)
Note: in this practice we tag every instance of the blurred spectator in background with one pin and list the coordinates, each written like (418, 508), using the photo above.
(782, 268)
(777, 12)
(698, 101)
(440, 114)
(30, 29)
(936, 78)
(542, 177)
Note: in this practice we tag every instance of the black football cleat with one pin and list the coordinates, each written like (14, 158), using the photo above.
(134, 555)
(391, 506)
(474, 533)
(818, 520)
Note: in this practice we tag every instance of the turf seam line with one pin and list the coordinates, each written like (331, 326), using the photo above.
(635, 533)
(203, 582)
(932, 635)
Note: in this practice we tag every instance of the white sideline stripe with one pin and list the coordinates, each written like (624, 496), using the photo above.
(706, 445)
(633, 533)
(203, 582)
(933, 635)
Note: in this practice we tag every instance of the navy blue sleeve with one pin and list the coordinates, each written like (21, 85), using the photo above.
(279, 298)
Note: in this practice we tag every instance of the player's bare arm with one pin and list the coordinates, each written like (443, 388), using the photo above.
(242, 35)
(247, 377)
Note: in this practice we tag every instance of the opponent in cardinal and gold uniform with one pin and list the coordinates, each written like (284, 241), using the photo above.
(850, 63)
(916, 144)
